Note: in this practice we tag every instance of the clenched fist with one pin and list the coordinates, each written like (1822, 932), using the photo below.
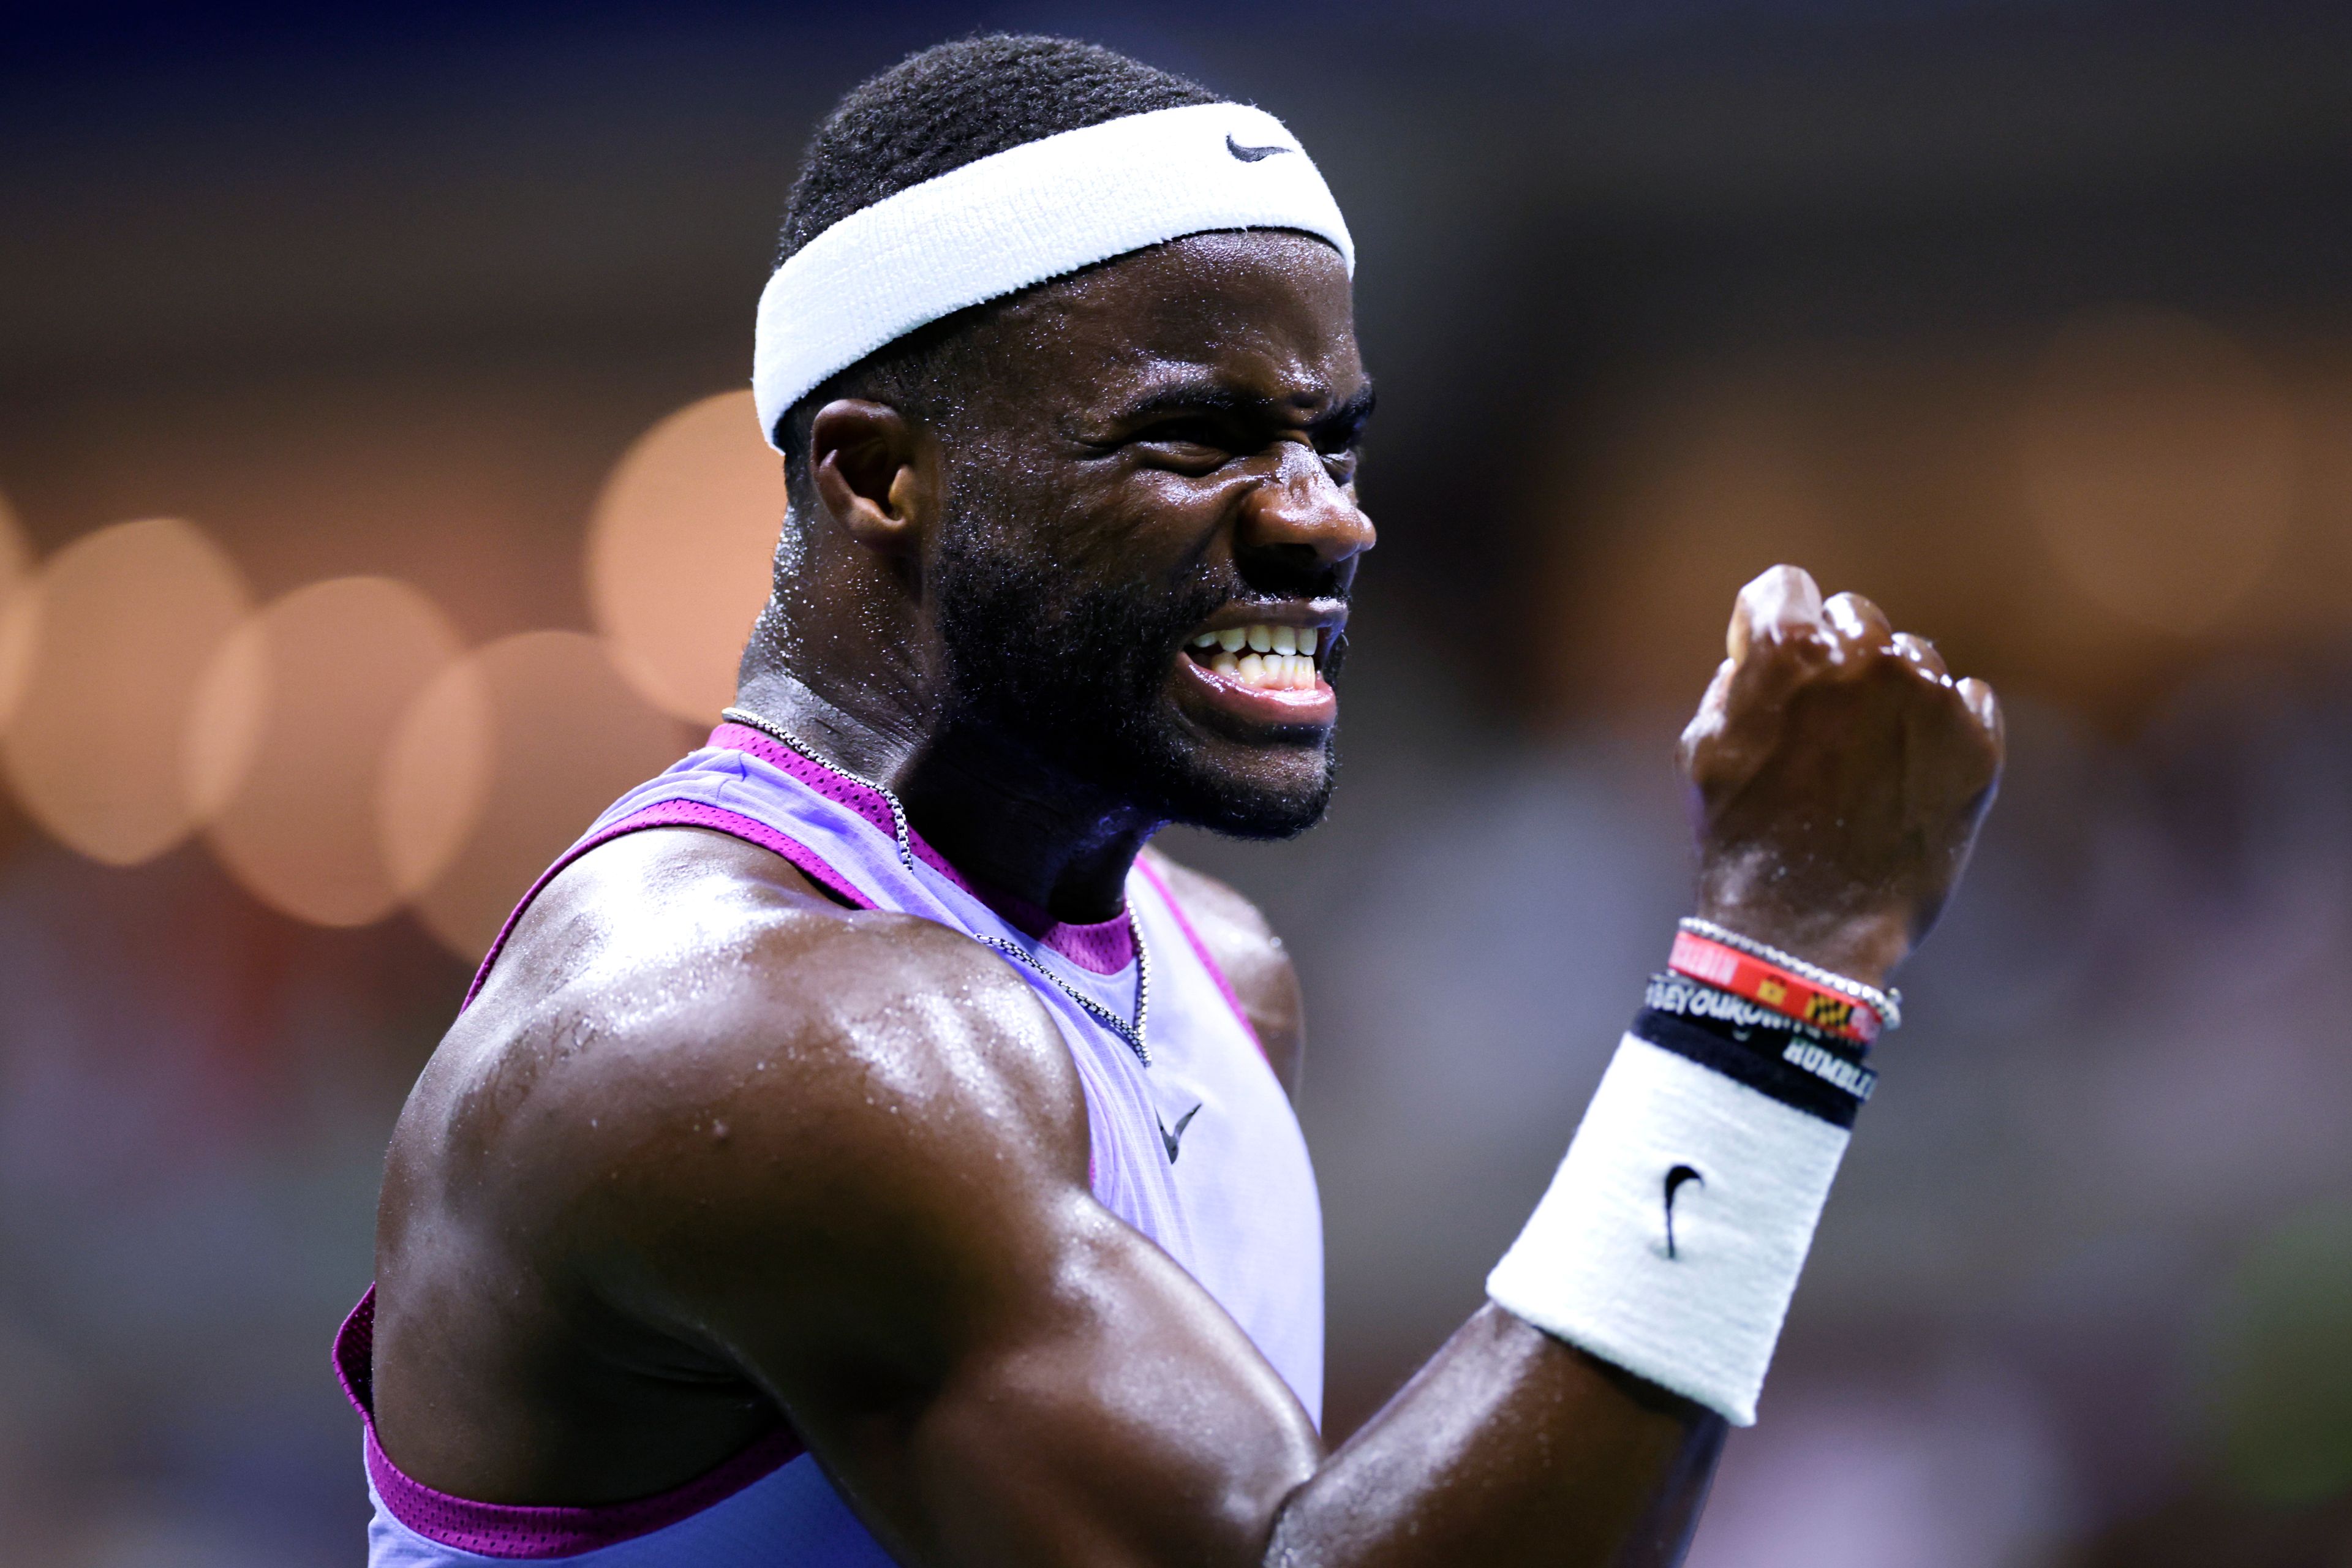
(1839, 774)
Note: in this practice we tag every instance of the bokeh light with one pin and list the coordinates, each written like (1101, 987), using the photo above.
(294, 722)
(124, 623)
(680, 550)
(1721, 482)
(2158, 459)
(15, 572)
(501, 762)
(436, 774)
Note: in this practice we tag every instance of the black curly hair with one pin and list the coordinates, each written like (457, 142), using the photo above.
(951, 105)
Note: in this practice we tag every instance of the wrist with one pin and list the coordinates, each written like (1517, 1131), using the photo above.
(1866, 948)
(1816, 998)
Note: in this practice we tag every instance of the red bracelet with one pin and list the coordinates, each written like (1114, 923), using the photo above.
(1770, 985)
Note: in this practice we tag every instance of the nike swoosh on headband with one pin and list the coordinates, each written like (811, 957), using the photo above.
(1250, 155)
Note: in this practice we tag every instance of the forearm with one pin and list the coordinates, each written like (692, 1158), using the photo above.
(1509, 1446)
(1667, 1248)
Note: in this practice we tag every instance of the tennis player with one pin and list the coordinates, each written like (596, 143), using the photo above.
(862, 1148)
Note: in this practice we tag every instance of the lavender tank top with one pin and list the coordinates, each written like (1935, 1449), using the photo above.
(1198, 1150)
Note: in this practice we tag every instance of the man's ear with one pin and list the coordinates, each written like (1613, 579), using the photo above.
(866, 460)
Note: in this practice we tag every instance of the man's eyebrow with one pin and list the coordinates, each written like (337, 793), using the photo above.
(1189, 397)
(1219, 397)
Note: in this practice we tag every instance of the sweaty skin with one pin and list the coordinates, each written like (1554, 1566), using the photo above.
(711, 1149)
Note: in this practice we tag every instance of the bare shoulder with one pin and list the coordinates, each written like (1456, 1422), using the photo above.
(1255, 964)
(708, 1143)
(686, 1042)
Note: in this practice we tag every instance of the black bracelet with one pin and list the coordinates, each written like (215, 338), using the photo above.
(1771, 1054)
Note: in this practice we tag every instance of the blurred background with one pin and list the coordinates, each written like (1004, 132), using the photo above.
(381, 496)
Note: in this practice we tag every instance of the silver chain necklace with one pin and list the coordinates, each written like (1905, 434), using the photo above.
(1132, 1032)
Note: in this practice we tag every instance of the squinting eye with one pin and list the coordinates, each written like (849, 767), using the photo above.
(1187, 435)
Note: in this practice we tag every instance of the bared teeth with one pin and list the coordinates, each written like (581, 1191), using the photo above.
(1265, 655)
(1265, 672)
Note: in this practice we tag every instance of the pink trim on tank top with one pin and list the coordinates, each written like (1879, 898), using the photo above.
(1201, 950)
(514, 1530)
(677, 813)
(1102, 947)
(752, 830)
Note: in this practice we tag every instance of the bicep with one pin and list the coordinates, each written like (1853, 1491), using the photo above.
(994, 1367)
(1115, 1416)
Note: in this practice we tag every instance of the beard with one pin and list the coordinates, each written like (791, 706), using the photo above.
(1077, 675)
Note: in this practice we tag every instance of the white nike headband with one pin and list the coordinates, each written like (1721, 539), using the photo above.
(1020, 216)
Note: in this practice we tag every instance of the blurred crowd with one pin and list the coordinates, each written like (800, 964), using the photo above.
(371, 431)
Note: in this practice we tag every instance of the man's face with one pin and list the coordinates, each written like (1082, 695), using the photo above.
(1152, 527)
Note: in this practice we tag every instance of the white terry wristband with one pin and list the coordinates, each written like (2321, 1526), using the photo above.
(1670, 1241)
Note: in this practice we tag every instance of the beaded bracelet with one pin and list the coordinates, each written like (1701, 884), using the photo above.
(1844, 1008)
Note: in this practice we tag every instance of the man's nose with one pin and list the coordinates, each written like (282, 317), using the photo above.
(1300, 509)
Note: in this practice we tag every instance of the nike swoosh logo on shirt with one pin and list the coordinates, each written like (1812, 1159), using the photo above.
(1176, 1138)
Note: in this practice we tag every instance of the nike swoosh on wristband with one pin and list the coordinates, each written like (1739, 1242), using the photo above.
(1250, 155)
(1674, 1180)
